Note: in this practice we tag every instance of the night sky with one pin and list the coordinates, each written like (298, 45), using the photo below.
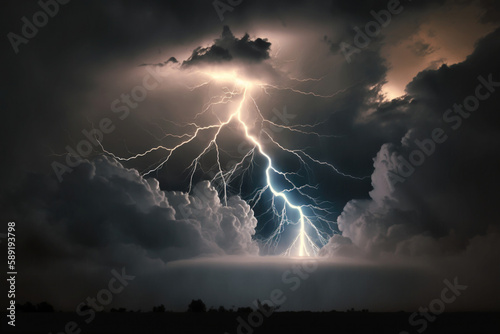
(383, 114)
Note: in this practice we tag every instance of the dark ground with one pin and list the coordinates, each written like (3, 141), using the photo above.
(279, 322)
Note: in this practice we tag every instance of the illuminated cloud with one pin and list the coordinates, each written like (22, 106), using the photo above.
(117, 207)
(429, 211)
(228, 48)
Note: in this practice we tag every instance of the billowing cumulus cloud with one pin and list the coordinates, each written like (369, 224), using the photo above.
(102, 204)
(438, 209)
(105, 216)
(439, 212)
(103, 208)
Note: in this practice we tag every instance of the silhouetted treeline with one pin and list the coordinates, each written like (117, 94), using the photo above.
(196, 306)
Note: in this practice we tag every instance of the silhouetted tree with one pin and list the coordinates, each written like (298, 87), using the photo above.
(197, 306)
(221, 309)
(267, 307)
(159, 308)
(44, 307)
(26, 307)
(85, 307)
(121, 309)
(244, 310)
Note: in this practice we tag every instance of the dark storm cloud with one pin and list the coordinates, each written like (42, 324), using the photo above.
(444, 212)
(228, 47)
(492, 10)
(352, 14)
(447, 202)
(102, 204)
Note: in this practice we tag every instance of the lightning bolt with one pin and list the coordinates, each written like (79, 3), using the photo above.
(308, 236)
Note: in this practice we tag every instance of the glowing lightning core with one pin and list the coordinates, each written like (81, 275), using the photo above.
(302, 233)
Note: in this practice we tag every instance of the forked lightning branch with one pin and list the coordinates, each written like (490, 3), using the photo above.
(309, 238)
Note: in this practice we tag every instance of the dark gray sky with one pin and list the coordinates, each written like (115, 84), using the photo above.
(375, 106)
